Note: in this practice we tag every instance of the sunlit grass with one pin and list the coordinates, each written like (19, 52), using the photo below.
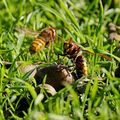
(86, 22)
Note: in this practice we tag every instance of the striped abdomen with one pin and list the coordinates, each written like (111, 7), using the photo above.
(80, 66)
(37, 45)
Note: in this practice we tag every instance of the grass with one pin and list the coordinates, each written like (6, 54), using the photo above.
(86, 22)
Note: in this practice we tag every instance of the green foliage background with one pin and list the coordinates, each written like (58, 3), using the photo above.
(86, 21)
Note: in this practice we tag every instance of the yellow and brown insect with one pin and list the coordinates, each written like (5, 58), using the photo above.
(74, 52)
(42, 38)
(45, 37)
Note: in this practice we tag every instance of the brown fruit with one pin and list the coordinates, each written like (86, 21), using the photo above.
(57, 76)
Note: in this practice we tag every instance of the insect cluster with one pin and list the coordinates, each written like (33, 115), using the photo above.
(54, 77)
(58, 75)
